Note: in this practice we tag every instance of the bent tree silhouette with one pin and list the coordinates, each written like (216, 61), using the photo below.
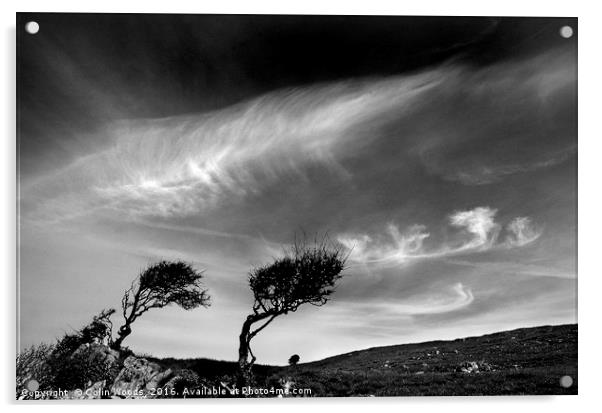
(160, 285)
(306, 274)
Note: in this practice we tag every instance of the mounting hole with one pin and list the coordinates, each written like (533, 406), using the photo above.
(566, 31)
(33, 385)
(32, 27)
(566, 381)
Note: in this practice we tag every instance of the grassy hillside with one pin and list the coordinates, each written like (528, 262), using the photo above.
(522, 361)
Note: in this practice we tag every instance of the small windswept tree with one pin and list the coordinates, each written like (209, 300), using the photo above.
(160, 285)
(294, 359)
(100, 329)
(306, 274)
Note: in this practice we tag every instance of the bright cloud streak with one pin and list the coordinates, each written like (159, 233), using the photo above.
(478, 223)
(184, 165)
(484, 175)
(399, 247)
(457, 298)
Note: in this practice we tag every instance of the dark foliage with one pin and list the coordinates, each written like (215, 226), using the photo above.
(294, 359)
(183, 382)
(306, 274)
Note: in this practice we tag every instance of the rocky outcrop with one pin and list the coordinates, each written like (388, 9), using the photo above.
(97, 390)
(470, 367)
(140, 378)
(107, 376)
(98, 354)
(93, 391)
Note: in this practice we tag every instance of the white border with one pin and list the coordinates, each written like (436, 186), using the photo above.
(590, 273)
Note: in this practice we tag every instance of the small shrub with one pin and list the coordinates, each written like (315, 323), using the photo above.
(183, 380)
(294, 359)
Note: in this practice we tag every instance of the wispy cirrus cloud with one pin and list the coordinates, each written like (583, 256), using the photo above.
(521, 231)
(530, 123)
(187, 164)
(519, 269)
(451, 299)
(478, 231)
(479, 223)
(387, 314)
(488, 174)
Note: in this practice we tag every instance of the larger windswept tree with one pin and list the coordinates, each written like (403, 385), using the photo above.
(307, 274)
(158, 286)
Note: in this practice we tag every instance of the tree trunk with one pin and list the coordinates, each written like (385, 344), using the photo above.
(124, 331)
(244, 366)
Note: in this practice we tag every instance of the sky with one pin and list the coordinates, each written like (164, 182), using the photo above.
(440, 153)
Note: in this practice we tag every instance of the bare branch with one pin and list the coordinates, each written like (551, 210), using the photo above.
(254, 333)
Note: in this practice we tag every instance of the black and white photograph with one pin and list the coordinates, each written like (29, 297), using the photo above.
(295, 206)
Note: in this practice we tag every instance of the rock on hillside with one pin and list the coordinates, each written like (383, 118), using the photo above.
(140, 378)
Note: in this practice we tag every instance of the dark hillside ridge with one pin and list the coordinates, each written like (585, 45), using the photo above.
(532, 346)
(517, 362)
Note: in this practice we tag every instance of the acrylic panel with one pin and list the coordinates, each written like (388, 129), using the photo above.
(296, 206)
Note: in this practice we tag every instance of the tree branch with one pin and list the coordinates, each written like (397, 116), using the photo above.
(264, 325)
(253, 358)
